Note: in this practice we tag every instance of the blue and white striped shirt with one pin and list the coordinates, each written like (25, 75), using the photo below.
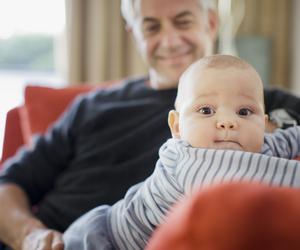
(182, 169)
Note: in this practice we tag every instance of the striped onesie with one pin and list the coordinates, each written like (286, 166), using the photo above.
(182, 169)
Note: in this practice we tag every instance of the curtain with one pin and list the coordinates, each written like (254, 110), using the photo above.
(258, 31)
(99, 48)
(271, 19)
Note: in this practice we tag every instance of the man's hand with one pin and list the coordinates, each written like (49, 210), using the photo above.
(19, 229)
(43, 239)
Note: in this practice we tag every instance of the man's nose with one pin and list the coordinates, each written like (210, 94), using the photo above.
(170, 38)
(227, 124)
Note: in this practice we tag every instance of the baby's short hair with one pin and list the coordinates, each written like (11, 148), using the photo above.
(217, 61)
(222, 61)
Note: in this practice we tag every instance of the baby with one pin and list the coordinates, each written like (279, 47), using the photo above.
(218, 136)
(220, 105)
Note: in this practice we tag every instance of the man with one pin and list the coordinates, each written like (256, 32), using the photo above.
(108, 140)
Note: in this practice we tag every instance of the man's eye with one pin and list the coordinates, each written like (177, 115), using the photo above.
(206, 111)
(183, 24)
(151, 29)
(245, 112)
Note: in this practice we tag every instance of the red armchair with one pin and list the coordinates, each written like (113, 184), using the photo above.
(235, 216)
(42, 106)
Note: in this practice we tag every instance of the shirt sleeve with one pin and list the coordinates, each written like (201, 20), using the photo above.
(283, 143)
(36, 168)
(198, 168)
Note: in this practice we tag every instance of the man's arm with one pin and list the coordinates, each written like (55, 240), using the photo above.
(19, 229)
(280, 99)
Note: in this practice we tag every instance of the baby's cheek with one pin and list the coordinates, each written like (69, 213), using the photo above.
(258, 142)
(202, 139)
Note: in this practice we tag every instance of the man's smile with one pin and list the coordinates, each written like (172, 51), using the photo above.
(174, 58)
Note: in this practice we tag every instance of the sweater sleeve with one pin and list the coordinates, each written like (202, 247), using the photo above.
(182, 169)
(197, 168)
(283, 143)
(36, 168)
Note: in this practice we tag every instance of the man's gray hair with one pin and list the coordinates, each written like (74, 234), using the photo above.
(128, 9)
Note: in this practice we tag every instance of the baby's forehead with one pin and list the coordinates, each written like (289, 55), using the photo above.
(216, 65)
(207, 81)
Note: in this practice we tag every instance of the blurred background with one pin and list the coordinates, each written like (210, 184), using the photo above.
(71, 42)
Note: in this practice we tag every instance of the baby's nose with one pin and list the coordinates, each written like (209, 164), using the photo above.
(226, 124)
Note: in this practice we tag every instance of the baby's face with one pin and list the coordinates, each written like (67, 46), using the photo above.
(222, 109)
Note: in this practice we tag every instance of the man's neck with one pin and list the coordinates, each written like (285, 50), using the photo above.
(157, 82)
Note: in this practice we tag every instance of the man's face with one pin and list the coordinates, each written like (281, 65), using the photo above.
(172, 34)
(222, 109)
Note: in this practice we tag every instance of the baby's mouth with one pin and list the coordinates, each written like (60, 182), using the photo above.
(228, 144)
(233, 141)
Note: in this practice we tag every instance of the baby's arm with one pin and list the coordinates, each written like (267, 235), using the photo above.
(283, 143)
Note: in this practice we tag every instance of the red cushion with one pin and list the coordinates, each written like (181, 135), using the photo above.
(44, 105)
(236, 216)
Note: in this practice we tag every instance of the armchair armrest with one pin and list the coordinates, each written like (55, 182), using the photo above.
(13, 137)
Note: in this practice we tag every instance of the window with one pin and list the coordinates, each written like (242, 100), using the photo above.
(31, 49)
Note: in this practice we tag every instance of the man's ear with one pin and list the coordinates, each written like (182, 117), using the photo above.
(213, 24)
(133, 37)
(128, 28)
(173, 121)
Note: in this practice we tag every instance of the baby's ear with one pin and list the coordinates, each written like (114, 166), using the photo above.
(173, 121)
(267, 122)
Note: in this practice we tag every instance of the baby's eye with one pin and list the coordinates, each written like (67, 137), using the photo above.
(206, 111)
(245, 112)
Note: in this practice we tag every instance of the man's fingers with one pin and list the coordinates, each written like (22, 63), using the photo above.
(44, 239)
(57, 242)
